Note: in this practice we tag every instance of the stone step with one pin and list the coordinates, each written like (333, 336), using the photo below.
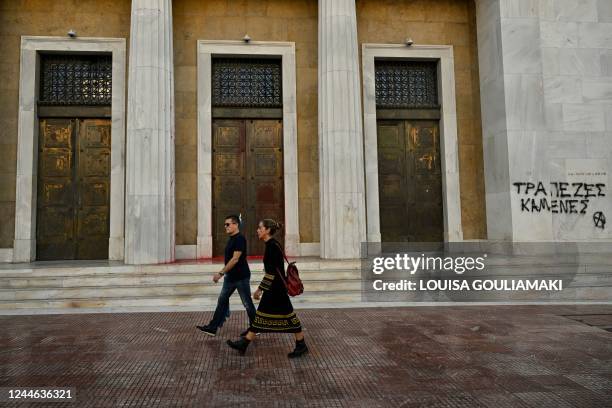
(307, 270)
(153, 290)
(192, 301)
(34, 288)
(77, 268)
(126, 279)
(99, 285)
(308, 299)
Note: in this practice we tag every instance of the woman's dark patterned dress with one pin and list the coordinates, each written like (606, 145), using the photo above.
(275, 313)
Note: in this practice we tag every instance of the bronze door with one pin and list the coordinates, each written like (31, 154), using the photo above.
(247, 177)
(73, 204)
(410, 181)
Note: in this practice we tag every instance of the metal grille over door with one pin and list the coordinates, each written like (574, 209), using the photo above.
(75, 80)
(247, 83)
(406, 84)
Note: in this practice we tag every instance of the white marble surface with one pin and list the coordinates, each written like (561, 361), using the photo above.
(186, 252)
(520, 9)
(553, 113)
(24, 247)
(584, 62)
(583, 117)
(550, 61)
(597, 90)
(606, 62)
(522, 53)
(563, 89)
(6, 255)
(575, 10)
(150, 226)
(310, 249)
(558, 34)
(286, 50)
(524, 101)
(341, 158)
(494, 116)
(604, 11)
(595, 35)
(538, 124)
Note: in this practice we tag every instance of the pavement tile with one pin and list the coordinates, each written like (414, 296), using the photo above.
(465, 356)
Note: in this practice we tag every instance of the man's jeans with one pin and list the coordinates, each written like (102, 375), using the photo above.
(221, 312)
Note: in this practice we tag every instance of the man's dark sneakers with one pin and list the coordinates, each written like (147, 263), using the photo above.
(241, 345)
(300, 349)
(208, 330)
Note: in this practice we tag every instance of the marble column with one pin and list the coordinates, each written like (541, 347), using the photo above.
(513, 116)
(341, 166)
(149, 236)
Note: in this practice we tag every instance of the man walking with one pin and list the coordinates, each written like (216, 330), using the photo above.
(237, 276)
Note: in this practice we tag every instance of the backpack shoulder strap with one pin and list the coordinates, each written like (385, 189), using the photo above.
(282, 252)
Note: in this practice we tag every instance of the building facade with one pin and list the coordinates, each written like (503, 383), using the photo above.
(349, 120)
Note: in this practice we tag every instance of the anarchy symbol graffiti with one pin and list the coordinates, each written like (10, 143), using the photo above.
(599, 219)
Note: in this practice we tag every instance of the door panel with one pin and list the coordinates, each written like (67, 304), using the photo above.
(93, 192)
(392, 181)
(247, 177)
(55, 200)
(425, 202)
(73, 204)
(410, 183)
(265, 170)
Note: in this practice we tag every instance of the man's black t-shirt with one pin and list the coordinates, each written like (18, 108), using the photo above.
(241, 269)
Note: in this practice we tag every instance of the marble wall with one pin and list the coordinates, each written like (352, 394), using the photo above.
(546, 91)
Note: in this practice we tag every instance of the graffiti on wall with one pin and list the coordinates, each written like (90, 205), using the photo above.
(560, 197)
(599, 219)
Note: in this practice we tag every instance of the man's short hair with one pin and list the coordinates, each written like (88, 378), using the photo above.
(235, 219)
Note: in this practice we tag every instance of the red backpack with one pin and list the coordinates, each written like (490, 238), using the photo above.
(293, 283)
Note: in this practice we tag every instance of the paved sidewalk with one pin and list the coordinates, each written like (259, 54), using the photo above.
(463, 356)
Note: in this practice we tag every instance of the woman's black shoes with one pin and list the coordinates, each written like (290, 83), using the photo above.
(241, 345)
(300, 349)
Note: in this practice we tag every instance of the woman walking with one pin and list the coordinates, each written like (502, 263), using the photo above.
(275, 313)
